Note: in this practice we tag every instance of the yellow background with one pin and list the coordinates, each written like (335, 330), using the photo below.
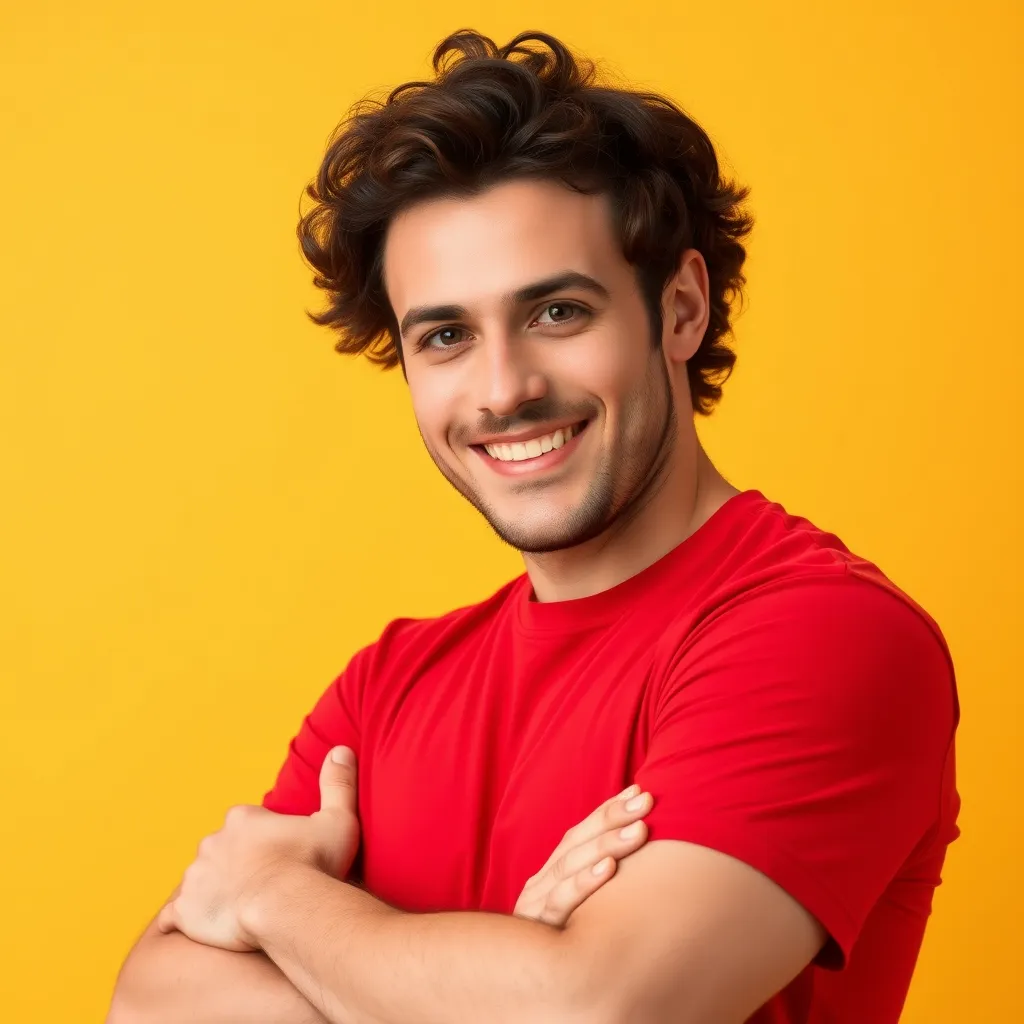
(205, 511)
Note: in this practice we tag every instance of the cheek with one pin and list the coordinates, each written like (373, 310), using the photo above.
(435, 408)
(609, 368)
(608, 376)
(431, 401)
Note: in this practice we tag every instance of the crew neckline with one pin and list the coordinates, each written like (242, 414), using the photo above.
(599, 609)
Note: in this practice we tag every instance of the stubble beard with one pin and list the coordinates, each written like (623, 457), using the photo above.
(627, 476)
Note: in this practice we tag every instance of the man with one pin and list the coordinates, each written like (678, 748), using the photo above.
(552, 263)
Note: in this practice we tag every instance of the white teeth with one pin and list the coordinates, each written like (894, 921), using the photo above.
(521, 450)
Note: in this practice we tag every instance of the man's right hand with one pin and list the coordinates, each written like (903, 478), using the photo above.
(586, 858)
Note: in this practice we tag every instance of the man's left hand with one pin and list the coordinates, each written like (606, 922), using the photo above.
(255, 845)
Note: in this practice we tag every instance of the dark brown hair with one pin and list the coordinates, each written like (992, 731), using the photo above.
(496, 113)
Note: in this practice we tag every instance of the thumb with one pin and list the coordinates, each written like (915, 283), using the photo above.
(338, 781)
(168, 919)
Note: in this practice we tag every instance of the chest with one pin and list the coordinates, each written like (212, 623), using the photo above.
(478, 762)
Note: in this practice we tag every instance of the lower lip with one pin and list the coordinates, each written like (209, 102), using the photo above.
(539, 464)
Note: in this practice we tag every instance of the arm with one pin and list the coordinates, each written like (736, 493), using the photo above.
(169, 978)
(733, 940)
(817, 721)
(362, 962)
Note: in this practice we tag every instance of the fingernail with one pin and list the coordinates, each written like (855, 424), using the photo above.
(637, 802)
(602, 866)
(343, 756)
(629, 791)
(631, 831)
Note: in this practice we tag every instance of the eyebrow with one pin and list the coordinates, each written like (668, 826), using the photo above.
(527, 293)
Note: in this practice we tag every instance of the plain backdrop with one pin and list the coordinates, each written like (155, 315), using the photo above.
(204, 511)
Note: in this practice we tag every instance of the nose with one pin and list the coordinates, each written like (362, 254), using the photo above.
(507, 377)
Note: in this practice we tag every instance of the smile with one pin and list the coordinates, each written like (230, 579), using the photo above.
(521, 451)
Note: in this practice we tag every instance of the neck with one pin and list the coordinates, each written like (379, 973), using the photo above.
(689, 493)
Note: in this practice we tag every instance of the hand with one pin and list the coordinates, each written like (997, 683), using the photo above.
(585, 859)
(256, 846)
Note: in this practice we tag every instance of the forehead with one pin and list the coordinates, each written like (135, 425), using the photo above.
(480, 247)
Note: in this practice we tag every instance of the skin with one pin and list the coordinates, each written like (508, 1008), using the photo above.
(256, 847)
(730, 939)
(639, 482)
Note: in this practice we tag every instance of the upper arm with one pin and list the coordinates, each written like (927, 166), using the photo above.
(796, 759)
(337, 719)
(703, 938)
(333, 721)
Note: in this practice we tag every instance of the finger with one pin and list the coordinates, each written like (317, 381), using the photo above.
(569, 894)
(338, 781)
(627, 807)
(616, 843)
(594, 824)
(630, 804)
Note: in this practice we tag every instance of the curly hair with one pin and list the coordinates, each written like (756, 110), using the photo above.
(497, 113)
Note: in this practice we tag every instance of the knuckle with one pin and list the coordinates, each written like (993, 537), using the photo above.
(613, 811)
(553, 903)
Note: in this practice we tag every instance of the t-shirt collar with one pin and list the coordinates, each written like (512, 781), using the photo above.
(689, 559)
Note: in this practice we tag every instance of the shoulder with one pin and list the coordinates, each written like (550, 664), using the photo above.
(822, 654)
(788, 592)
(416, 641)
(827, 608)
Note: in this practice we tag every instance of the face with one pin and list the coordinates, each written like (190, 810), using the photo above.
(529, 358)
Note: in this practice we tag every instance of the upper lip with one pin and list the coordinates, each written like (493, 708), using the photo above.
(525, 435)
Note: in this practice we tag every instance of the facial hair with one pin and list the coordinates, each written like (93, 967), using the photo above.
(628, 473)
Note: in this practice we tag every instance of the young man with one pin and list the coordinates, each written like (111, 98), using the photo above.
(552, 264)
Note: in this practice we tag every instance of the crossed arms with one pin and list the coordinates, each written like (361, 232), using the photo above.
(828, 780)
(331, 952)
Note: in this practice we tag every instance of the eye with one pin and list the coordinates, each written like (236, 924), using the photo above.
(571, 308)
(443, 337)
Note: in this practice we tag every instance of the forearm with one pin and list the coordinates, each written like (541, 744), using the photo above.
(168, 979)
(361, 962)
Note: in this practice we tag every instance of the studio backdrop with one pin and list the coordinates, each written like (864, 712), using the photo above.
(204, 511)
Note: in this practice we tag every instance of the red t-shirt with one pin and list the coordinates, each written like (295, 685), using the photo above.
(780, 698)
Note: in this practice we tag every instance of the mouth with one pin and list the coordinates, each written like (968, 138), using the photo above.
(538, 453)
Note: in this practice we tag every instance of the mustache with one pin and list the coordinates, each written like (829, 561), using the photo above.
(541, 410)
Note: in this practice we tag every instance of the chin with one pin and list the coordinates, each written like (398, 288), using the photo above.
(557, 534)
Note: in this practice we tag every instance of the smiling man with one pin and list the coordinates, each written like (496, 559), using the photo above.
(552, 263)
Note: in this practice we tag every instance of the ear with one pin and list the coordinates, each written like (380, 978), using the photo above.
(685, 308)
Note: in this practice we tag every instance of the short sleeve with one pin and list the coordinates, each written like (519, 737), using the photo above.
(804, 730)
(334, 721)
